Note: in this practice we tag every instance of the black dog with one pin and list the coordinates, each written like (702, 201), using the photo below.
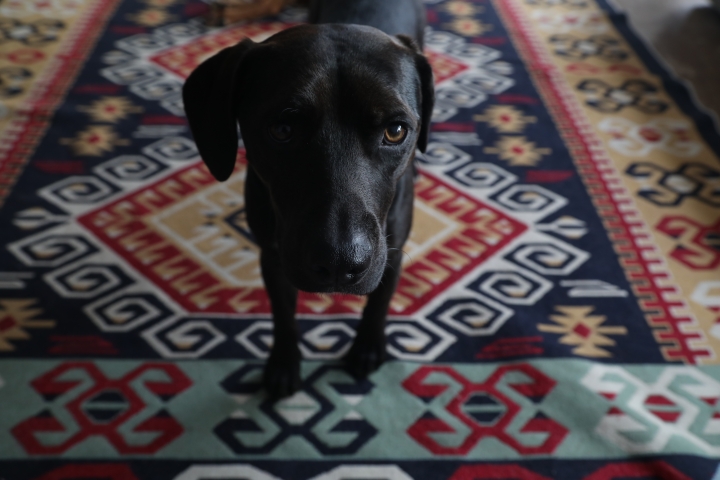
(330, 115)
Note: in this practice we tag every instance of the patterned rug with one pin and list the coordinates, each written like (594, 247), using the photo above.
(558, 315)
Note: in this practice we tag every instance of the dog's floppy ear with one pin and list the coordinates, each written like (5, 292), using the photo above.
(428, 99)
(210, 99)
(427, 90)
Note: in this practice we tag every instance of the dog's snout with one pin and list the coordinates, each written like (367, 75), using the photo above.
(341, 264)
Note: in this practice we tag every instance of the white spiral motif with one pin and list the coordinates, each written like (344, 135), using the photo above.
(128, 168)
(79, 190)
(172, 149)
(530, 198)
(187, 340)
(329, 340)
(417, 340)
(49, 251)
(122, 314)
(515, 288)
(444, 154)
(87, 281)
(550, 259)
(484, 175)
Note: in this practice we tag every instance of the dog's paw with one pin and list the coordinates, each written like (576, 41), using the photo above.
(282, 376)
(365, 357)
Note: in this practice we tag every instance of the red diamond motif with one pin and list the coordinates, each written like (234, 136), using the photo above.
(6, 323)
(186, 233)
(444, 66)
(182, 59)
(583, 330)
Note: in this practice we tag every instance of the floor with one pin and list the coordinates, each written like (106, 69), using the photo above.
(686, 34)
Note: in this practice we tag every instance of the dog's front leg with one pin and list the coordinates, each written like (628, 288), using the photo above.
(368, 350)
(282, 371)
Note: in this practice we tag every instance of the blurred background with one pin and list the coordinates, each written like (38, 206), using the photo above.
(686, 33)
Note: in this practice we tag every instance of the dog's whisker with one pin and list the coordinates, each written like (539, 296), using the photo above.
(401, 250)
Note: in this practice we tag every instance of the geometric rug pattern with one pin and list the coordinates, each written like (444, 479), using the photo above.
(558, 313)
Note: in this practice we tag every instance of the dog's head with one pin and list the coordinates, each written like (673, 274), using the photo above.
(330, 116)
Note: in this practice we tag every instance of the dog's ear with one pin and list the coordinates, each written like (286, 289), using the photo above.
(210, 100)
(427, 90)
(428, 99)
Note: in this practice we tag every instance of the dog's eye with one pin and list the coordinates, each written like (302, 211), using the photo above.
(395, 134)
(281, 132)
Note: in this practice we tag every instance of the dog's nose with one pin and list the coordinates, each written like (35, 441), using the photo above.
(342, 265)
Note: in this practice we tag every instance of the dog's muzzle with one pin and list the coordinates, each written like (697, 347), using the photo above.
(339, 267)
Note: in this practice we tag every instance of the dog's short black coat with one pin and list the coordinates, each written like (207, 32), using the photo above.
(331, 114)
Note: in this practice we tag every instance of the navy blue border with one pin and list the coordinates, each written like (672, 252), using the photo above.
(695, 467)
